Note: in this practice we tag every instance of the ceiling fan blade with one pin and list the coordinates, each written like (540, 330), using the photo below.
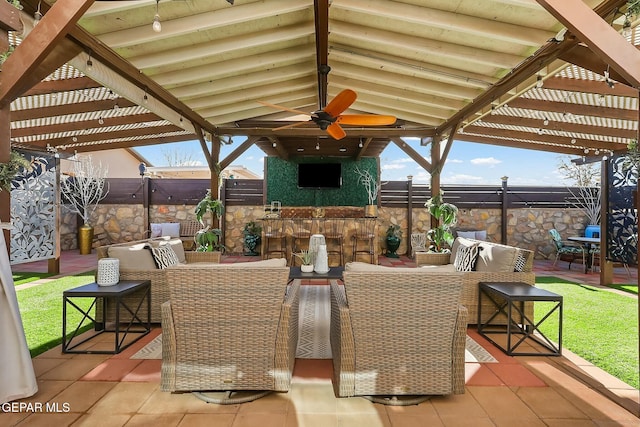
(366, 119)
(280, 107)
(341, 102)
(336, 131)
(291, 125)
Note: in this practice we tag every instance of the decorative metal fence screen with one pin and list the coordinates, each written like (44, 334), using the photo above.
(33, 210)
(622, 229)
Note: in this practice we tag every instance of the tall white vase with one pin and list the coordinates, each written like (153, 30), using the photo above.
(321, 265)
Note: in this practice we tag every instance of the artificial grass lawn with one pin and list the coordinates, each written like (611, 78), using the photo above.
(21, 278)
(598, 325)
(41, 310)
(632, 289)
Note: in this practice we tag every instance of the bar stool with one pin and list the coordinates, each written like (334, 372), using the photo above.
(334, 236)
(302, 229)
(365, 235)
(275, 238)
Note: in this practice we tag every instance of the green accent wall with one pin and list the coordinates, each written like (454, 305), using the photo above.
(282, 182)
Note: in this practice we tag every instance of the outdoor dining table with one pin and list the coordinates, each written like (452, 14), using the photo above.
(587, 242)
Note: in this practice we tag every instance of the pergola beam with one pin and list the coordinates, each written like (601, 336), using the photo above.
(226, 162)
(23, 68)
(601, 38)
(417, 157)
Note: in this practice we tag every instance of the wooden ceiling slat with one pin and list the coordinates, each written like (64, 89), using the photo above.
(97, 137)
(86, 124)
(76, 108)
(576, 109)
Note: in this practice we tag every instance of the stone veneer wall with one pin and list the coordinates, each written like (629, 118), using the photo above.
(527, 228)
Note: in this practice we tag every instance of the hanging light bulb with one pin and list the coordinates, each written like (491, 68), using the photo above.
(100, 121)
(317, 145)
(360, 143)
(573, 140)
(540, 131)
(37, 16)
(626, 28)
(274, 144)
(157, 26)
(539, 81)
(145, 98)
(586, 151)
(89, 63)
(546, 121)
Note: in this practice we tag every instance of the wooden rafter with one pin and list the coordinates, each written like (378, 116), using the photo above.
(601, 38)
(77, 108)
(576, 109)
(65, 85)
(24, 67)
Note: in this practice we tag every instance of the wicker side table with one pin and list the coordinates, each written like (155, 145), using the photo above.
(431, 258)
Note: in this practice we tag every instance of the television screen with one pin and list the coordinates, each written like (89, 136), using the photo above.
(319, 175)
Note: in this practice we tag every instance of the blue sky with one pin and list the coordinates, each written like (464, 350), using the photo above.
(468, 163)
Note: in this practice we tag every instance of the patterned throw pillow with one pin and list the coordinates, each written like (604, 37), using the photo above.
(164, 256)
(520, 263)
(466, 258)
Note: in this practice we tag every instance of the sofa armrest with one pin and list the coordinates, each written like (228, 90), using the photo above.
(169, 361)
(287, 338)
(459, 346)
(342, 343)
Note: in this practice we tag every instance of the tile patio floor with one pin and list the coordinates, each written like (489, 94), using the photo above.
(103, 390)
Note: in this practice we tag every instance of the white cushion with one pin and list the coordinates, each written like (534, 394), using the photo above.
(446, 268)
(133, 258)
(366, 267)
(467, 234)
(171, 229)
(496, 258)
(156, 229)
(481, 235)
(273, 262)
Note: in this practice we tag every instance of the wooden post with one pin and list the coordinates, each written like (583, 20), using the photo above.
(505, 210)
(5, 154)
(606, 266)
(409, 213)
(53, 264)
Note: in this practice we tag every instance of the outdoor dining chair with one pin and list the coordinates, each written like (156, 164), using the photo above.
(566, 249)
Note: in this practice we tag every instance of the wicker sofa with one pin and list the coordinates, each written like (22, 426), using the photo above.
(495, 263)
(397, 332)
(229, 327)
(136, 263)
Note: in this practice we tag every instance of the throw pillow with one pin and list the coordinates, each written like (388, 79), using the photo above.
(133, 258)
(171, 229)
(466, 258)
(164, 256)
(520, 262)
(156, 229)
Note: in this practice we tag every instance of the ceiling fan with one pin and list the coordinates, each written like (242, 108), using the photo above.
(329, 118)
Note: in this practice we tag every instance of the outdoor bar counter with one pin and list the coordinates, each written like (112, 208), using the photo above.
(316, 221)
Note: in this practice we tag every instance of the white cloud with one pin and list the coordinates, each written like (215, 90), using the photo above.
(489, 161)
(392, 166)
(464, 179)
(455, 161)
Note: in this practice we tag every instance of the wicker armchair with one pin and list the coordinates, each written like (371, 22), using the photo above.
(400, 334)
(229, 328)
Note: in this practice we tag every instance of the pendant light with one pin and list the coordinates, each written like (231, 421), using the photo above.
(157, 26)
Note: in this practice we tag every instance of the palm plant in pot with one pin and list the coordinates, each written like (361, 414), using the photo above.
(440, 237)
(209, 239)
(252, 233)
(306, 258)
(393, 238)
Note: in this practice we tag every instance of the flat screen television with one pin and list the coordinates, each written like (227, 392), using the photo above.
(319, 175)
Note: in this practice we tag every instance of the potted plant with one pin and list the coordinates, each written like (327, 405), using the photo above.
(440, 237)
(306, 258)
(371, 186)
(83, 190)
(209, 239)
(252, 233)
(393, 238)
(9, 170)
